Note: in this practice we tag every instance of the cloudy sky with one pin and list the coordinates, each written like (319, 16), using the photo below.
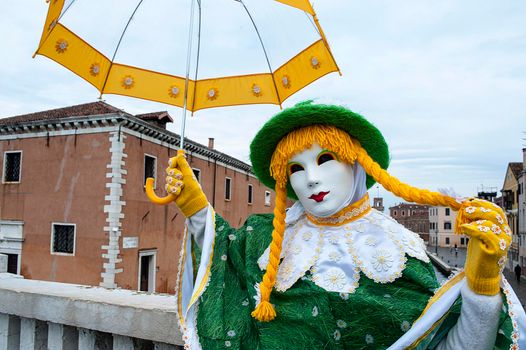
(445, 81)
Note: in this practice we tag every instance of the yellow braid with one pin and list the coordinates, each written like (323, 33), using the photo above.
(264, 311)
(395, 186)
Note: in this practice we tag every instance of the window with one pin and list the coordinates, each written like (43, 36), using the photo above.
(394, 213)
(197, 174)
(447, 225)
(267, 198)
(250, 192)
(63, 238)
(462, 241)
(228, 188)
(403, 212)
(447, 211)
(447, 240)
(12, 166)
(150, 166)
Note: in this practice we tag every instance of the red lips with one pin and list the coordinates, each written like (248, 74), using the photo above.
(319, 197)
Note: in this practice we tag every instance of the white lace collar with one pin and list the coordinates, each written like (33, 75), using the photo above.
(374, 244)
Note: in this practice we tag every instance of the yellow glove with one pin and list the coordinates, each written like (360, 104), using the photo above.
(486, 225)
(182, 183)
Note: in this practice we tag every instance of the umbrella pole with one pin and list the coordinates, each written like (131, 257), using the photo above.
(187, 78)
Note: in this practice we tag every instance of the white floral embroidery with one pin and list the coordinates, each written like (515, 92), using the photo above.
(480, 222)
(483, 228)
(335, 278)
(405, 326)
(499, 219)
(382, 260)
(249, 228)
(485, 210)
(360, 227)
(296, 249)
(333, 238)
(337, 335)
(507, 230)
(335, 256)
(224, 257)
(502, 244)
(228, 343)
(285, 269)
(231, 333)
(315, 311)
(387, 295)
(501, 261)
(307, 236)
(344, 296)
(232, 237)
(221, 228)
(371, 241)
(341, 323)
(245, 302)
(369, 339)
(496, 229)
(470, 210)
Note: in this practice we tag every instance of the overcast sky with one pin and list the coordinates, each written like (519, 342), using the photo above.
(445, 81)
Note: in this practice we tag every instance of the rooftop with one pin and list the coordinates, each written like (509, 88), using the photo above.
(516, 169)
(85, 109)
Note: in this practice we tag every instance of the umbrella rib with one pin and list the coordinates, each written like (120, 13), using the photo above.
(264, 49)
(198, 55)
(118, 45)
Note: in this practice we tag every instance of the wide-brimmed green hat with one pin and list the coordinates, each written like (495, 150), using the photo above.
(305, 114)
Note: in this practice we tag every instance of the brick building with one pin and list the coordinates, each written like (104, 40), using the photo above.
(414, 217)
(510, 203)
(72, 201)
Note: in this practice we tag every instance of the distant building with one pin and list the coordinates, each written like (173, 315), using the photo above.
(72, 201)
(521, 217)
(442, 228)
(414, 217)
(378, 204)
(510, 203)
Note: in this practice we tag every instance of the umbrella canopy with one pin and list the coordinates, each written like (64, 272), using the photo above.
(244, 52)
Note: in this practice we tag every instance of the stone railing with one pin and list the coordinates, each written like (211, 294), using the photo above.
(49, 315)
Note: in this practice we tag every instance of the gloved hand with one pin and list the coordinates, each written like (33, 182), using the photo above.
(182, 183)
(490, 238)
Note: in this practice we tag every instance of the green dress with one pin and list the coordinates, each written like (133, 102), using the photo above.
(373, 316)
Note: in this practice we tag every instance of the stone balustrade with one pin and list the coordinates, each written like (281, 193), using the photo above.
(59, 316)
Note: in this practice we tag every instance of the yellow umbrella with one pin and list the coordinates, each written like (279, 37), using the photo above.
(108, 76)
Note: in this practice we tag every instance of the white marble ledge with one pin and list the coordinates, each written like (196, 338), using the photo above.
(117, 311)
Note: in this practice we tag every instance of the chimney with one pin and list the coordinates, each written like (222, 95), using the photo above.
(211, 142)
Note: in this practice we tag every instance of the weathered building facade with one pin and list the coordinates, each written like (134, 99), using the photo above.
(414, 217)
(72, 201)
(510, 203)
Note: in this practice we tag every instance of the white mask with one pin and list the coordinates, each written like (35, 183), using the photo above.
(322, 183)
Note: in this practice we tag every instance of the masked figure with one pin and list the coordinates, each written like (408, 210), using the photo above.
(331, 272)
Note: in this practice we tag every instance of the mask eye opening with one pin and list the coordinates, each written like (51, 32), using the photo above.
(326, 156)
(294, 167)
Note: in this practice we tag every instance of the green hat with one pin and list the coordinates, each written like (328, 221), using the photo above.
(305, 114)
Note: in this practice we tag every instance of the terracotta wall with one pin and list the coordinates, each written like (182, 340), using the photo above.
(63, 180)
(161, 228)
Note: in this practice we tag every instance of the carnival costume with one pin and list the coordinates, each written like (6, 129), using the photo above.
(347, 278)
